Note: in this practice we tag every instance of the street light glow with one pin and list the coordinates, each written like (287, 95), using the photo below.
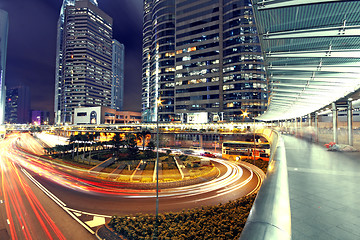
(245, 113)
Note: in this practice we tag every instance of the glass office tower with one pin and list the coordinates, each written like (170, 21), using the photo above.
(244, 80)
(198, 65)
(84, 74)
(158, 60)
(4, 28)
(219, 71)
(117, 91)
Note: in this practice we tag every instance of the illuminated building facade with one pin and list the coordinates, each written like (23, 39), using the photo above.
(4, 28)
(117, 91)
(158, 60)
(17, 105)
(59, 58)
(84, 59)
(203, 59)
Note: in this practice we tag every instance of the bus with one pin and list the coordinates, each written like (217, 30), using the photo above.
(239, 150)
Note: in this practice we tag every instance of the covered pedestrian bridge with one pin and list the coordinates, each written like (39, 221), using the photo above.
(311, 52)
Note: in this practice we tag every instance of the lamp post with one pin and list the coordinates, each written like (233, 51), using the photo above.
(158, 102)
(244, 115)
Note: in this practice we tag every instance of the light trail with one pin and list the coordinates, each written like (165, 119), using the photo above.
(27, 218)
(233, 181)
(81, 180)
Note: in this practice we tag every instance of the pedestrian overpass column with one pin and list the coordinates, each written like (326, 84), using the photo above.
(309, 117)
(350, 123)
(316, 124)
(335, 122)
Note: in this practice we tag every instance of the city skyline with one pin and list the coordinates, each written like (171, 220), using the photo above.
(35, 66)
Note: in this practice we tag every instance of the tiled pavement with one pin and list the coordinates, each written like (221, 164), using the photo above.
(324, 189)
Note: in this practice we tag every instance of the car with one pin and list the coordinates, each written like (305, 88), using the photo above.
(188, 151)
(208, 154)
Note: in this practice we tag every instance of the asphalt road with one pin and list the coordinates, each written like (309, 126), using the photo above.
(26, 212)
(77, 196)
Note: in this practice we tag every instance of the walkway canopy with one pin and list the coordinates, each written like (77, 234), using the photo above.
(311, 51)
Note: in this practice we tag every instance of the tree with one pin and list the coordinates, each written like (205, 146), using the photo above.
(117, 141)
(151, 145)
(142, 136)
(131, 144)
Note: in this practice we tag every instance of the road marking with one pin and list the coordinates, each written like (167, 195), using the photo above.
(8, 222)
(47, 192)
(77, 214)
(87, 213)
(56, 200)
(97, 221)
(78, 220)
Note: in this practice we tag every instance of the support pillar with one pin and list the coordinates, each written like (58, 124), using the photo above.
(350, 123)
(335, 122)
(316, 126)
(309, 118)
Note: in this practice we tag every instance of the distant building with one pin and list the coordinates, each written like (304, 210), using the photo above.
(4, 28)
(40, 117)
(117, 91)
(84, 59)
(17, 105)
(104, 115)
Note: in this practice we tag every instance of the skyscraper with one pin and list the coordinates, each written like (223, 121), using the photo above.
(158, 60)
(4, 28)
(17, 106)
(117, 91)
(59, 59)
(84, 59)
(215, 72)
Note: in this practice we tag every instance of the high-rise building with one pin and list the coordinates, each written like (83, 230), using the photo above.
(17, 105)
(158, 60)
(117, 91)
(4, 28)
(215, 73)
(59, 59)
(84, 59)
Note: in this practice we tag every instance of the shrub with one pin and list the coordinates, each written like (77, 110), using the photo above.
(223, 221)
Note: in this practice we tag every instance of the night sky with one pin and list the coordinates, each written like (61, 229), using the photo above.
(32, 47)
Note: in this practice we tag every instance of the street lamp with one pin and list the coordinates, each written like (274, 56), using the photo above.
(158, 103)
(244, 115)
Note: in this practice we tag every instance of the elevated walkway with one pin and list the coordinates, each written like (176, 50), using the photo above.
(324, 191)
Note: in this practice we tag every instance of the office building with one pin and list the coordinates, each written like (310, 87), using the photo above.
(84, 59)
(117, 91)
(4, 28)
(203, 59)
(17, 105)
(59, 59)
(158, 56)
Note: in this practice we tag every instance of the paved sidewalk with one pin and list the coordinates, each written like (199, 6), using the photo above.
(324, 191)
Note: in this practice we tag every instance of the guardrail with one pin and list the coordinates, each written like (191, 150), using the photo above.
(270, 216)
